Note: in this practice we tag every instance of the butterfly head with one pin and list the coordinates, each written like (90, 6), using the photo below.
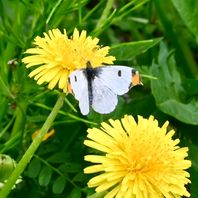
(88, 64)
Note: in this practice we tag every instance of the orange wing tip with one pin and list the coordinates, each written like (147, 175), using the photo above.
(69, 89)
(136, 79)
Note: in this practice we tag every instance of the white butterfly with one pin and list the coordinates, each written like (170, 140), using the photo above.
(99, 87)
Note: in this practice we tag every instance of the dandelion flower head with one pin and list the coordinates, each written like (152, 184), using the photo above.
(55, 56)
(138, 160)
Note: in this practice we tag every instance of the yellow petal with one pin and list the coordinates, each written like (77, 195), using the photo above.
(54, 81)
(63, 79)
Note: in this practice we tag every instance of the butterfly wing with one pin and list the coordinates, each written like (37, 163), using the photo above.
(104, 99)
(116, 78)
(79, 87)
(105, 83)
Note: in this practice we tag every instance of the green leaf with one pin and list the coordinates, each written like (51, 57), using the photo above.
(4, 106)
(191, 85)
(70, 167)
(168, 92)
(127, 51)
(5, 88)
(76, 192)
(193, 150)
(58, 157)
(59, 185)
(143, 106)
(45, 176)
(98, 195)
(34, 168)
(12, 143)
(188, 12)
(194, 183)
(187, 113)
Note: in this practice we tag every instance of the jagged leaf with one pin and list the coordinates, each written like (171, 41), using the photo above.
(170, 96)
(127, 51)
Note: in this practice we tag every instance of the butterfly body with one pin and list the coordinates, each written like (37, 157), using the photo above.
(99, 87)
(90, 73)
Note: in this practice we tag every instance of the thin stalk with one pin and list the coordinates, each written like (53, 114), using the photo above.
(56, 170)
(92, 11)
(66, 114)
(80, 16)
(5, 89)
(53, 11)
(7, 126)
(105, 14)
(20, 120)
(32, 148)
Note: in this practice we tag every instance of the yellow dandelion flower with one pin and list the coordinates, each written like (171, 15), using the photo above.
(56, 56)
(89, 50)
(140, 160)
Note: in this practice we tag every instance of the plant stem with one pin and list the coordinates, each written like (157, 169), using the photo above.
(105, 14)
(53, 11)
(32, 148)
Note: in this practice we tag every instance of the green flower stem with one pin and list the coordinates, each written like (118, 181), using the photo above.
(19, 123)
(105, 14)
(32, 148)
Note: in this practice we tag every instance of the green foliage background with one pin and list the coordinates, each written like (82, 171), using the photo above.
(158, 38)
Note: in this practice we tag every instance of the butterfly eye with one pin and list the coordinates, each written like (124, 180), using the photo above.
(75, 78)
(119, 73)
